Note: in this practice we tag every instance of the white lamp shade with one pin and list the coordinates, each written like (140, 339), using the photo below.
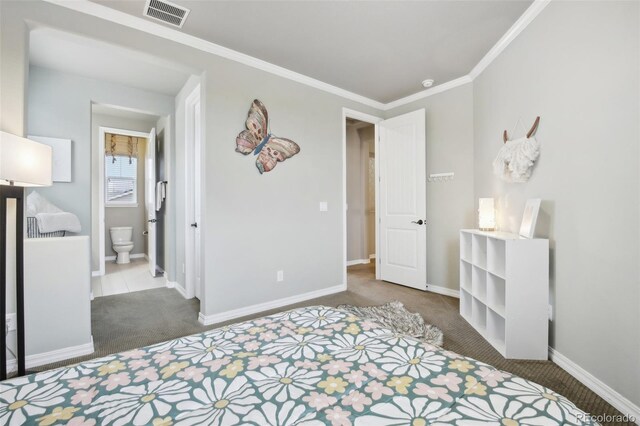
(24, 162)
(486, 214)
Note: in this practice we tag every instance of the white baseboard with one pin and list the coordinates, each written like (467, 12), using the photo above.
(131, 256)
(443, 290)
(358, 262)
(603, 390)
(177, 286)
(53, 356)
(372, 256)
(96, 273)
(274, 304)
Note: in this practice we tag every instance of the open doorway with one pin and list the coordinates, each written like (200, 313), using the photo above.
(361, 190)
(130, 201)
(398, 193)
(360, 185)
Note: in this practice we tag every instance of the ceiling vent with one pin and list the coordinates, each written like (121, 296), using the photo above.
(167, 12)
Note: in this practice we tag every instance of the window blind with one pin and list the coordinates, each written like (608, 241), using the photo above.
(121, 178)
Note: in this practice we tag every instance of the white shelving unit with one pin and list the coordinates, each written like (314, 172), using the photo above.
(504, 291)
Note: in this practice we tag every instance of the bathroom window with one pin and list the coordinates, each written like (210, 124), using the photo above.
(121, 180)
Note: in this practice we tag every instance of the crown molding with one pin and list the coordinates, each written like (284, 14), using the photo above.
(429, 92)
(118, 17)
(523, 21)
(138, 23)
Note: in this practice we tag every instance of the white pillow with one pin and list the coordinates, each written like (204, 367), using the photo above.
(36, 203)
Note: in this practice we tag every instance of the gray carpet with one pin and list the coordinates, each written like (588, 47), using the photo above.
(128, 321)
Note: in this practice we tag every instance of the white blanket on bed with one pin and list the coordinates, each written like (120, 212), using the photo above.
(62, 221)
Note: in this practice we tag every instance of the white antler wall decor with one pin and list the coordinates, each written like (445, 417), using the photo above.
(515, 160)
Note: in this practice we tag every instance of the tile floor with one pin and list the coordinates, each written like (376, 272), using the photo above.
(126, 278)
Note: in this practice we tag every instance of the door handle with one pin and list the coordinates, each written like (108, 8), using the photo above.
(194, 225)
(419, 222)
(152, 220)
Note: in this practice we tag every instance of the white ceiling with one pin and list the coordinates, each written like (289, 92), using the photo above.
(75, 54)
(381, 50)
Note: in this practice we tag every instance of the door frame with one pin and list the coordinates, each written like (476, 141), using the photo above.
(193, 99)
(372, 119)
(102, 237)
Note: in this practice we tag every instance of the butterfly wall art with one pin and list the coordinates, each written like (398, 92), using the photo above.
(270, 149)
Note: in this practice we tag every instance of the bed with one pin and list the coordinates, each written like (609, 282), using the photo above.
(310, 366)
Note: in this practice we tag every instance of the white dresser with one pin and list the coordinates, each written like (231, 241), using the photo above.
(504, 291)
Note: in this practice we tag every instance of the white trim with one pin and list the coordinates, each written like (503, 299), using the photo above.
(140, 24)
(443, 290)
(358, 262)
(357, 115)
(44, 358)
(150, 27)
(96, 274)
(429, 92)
(131, 256)
(190, 102)
(527, 17)
(102, 131)
(274, 304)
(372, 256)
(125, 205)
(603, 390)
(177, 286)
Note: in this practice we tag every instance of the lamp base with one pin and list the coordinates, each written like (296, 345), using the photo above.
(8, 192)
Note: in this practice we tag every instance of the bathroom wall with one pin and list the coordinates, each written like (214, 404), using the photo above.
(126, 216)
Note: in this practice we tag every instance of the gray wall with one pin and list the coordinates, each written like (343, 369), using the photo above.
(449, 126)
(60, 106)
(251, 219)
(123, 216)
(576, 65)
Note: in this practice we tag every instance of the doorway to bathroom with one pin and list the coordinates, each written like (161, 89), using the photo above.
(131, 196)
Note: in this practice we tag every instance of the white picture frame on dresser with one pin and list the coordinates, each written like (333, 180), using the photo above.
(504, 291)
(530, 218)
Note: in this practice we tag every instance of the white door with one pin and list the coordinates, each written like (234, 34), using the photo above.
(150, 198)
(403, 200)
(196, 198)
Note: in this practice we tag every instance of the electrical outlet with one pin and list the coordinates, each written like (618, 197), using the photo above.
(11, 322)
(324, 206)
(550, 312)
(280, 276)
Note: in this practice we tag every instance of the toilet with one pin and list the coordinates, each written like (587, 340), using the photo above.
(121, 240)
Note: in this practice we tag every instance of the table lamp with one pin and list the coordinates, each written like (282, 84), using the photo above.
(486, 215)
(23, 163)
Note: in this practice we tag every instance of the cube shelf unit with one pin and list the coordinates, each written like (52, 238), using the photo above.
(504, 291)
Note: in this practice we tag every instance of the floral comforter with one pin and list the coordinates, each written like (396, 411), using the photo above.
(309, 366)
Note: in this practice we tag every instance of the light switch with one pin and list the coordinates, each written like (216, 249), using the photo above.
(324, 206)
